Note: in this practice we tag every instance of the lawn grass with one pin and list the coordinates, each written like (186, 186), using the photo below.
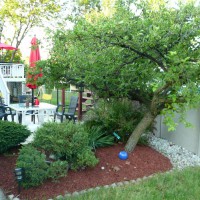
(177, 185)
(68, 94)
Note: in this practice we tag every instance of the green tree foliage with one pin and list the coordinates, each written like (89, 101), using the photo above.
(7, 55)
(151, 57)
(56, 68)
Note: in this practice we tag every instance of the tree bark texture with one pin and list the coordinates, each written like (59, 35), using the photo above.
(141, 127)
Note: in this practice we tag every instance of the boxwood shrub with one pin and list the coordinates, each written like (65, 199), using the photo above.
(12, 134)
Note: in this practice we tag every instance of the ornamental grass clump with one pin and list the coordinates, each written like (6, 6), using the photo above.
(120, 116)
(99, 138)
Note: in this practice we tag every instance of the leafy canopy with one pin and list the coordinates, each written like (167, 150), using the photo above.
(152, 57)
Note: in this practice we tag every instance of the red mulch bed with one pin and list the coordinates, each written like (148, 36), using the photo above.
(143, 161)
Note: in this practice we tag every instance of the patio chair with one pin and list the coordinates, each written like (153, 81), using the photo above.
(2, 112)
(8, 110)
(22, 100)
(70, 114)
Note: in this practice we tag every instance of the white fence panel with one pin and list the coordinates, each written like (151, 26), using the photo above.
(188, 138)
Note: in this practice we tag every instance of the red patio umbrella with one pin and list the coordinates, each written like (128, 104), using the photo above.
(7, 47)
(34, 57)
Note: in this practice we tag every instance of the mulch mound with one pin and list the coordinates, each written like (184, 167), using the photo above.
(143, 161)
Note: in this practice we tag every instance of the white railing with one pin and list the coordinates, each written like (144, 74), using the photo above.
(4, 90)
(12, 70)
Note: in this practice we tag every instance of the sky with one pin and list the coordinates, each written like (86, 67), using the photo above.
(26, 43)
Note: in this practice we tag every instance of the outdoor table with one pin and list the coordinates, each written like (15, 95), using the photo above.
(42, 109)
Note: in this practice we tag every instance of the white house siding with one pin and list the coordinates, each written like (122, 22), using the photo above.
(12, 81)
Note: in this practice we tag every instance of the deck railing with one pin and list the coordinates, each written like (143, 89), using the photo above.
(12, 70)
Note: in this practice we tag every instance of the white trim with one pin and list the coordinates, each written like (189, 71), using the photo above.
(4, 90)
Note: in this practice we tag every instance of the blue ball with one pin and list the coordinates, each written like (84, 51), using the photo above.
(123, 155)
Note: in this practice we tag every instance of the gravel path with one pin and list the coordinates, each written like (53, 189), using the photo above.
(179, 156)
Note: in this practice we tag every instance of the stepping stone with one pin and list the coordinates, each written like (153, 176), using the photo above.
(2, 195)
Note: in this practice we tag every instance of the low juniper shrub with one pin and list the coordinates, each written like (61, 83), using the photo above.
(66, 141)
(57, 169)
(34, 165)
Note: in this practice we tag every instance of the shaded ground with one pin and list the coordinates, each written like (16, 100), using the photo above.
(144, 161)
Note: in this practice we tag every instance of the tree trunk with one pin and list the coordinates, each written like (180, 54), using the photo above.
(80, 99)
(13, 55)
(141, 127)
(63, 97)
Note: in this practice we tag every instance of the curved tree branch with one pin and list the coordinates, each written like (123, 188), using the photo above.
(142, 54)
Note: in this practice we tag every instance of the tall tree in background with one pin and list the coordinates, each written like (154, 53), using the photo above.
(1, 28)
(151, 57)
(56, 68)
(22, 15)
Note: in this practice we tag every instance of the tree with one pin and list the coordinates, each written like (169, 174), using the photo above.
(56, 68)
(152, 58)
(16, 59)
(23, 15)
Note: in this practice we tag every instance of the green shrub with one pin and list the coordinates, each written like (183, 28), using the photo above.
(66, 141)
(57, 169)
(51, 138)
(12, 134)
(143, 140)
(120, 116)
(98, 138)
(34, 165)
(85, 158)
